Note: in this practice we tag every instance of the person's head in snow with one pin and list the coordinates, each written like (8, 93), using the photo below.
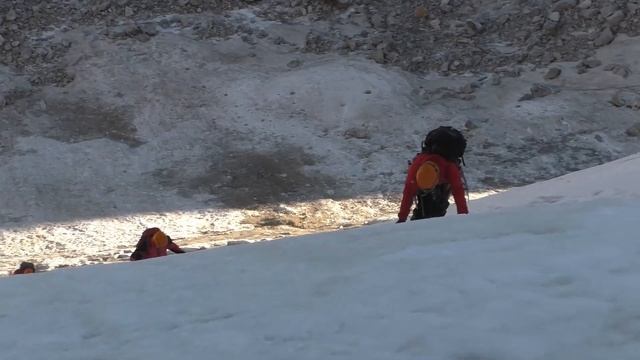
(435, 174)
(25, 268)
(154, 243)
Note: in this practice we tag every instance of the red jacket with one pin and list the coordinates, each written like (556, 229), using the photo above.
(449, 174)
(147, 249)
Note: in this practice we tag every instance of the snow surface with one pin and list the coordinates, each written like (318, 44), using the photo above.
(553, 281)
(614, 180)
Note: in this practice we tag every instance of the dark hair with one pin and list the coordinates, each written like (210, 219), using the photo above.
(27, 265)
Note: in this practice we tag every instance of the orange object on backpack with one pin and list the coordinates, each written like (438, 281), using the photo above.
(160, 240)
(428, 176)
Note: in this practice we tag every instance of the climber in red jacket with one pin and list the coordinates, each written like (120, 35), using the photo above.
(25, 268)
(154, 243)
(434, 175)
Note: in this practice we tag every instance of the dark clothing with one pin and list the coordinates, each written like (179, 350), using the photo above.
(432, 203)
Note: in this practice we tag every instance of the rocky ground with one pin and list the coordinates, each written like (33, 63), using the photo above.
(223, 120)
(447, 36)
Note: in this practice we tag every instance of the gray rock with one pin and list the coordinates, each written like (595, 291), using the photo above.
(357, 133)
(585, 4)
(619, 69)
(553, 73)
(564, 5)
(541, 90)
(509, 71)
(605, 38)
(344, 3)
(615, 18)
(237, 242)
(554, 16)
(378, 56)
(1, 40)
(467, 89)
(26, 53)
(103, 5)
(149, 29)
(470, 125)
(474, 26)
(608, 8)
(128, 11)
(124, 31)
(589, 13)
(280, 41)
(634, 130)
(377, 21)
(11, 15)
(295, 63)
(495, 79)
(548, 58)
(538, 91)
(248, 39)
(625, 98)
(550, 26)
(421, 12)
(591, 63)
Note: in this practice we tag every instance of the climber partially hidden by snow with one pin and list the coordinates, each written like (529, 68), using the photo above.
(154, 243)
(434, 175)
(25, 268)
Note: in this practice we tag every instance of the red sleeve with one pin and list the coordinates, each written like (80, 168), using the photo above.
(457, 189)
(175, 248)
(410, 190)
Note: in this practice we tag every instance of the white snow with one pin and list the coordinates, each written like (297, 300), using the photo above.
(553, 281)
(615, 180)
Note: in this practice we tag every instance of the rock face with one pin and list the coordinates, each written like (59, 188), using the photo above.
(450, 36)
(23, 23)
(456, 36)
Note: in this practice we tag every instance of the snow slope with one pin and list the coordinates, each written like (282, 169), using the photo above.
(615, 180)
(555, 281)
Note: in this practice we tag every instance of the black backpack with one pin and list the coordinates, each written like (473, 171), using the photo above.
(447, 142)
